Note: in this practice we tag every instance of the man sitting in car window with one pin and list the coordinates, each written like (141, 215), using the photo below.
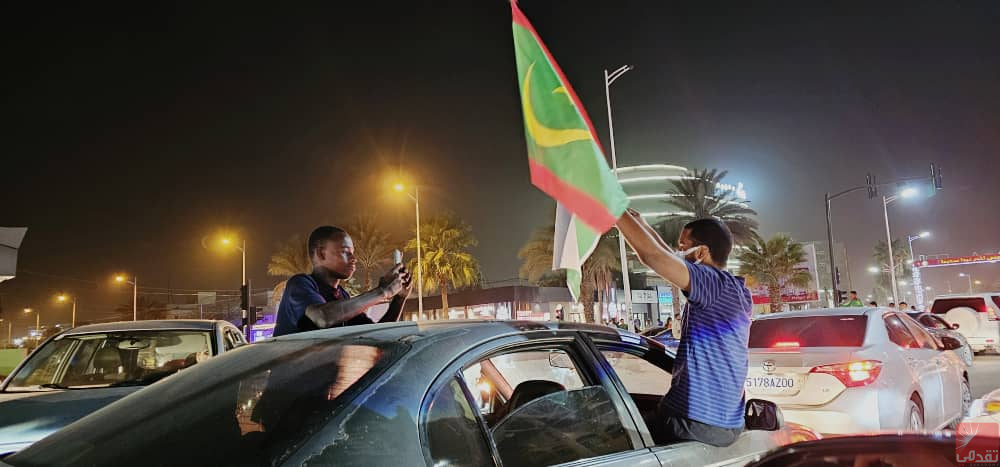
(318, 301)
(705, 401)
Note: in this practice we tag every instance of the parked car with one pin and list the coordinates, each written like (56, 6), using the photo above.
(976, 316)
(430, 393)
(83, 369)
(938, 327)
(851, 370)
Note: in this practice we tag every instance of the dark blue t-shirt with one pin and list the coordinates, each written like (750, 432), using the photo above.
(303, 290)
(711, 365)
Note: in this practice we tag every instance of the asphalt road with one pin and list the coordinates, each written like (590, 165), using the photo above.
(985, 374)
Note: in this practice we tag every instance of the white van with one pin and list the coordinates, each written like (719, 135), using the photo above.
(976, 317)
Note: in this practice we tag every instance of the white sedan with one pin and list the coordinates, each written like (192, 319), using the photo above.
(855, 370)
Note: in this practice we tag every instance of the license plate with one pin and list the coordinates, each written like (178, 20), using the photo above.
(772, 384)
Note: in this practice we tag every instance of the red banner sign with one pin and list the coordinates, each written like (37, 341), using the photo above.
(930, 263)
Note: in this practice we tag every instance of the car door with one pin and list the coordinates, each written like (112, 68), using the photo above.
(642, 374)
(922, 366)
(546, 401)
(949, 374)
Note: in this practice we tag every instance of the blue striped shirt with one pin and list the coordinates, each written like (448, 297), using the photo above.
(711, 365)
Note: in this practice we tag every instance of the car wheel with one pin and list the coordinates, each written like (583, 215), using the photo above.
(966, 398)
(914, 417)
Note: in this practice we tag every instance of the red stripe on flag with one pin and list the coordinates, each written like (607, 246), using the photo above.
(591, 211)
(522, 21)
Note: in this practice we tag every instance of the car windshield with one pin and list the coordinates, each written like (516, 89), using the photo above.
(808, 331)
(943, 305)
(251, 406)
(127, 358)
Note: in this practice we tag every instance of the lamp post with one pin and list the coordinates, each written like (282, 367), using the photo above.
(886, 201)
(38, 322)
(969, 277)
(121, 279)
(64, 298)
(918, 291)
(415, 196)
(610, 78)
(243, 250)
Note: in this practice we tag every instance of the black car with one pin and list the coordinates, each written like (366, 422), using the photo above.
(442, 393)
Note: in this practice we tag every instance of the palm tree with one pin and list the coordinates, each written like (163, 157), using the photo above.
(372, 246)
(772, 263)
(901, 258)
(446, 261)
(290, 258)
(698, 197)
(597, 274)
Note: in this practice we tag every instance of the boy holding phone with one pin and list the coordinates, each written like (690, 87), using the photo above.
(318, 301)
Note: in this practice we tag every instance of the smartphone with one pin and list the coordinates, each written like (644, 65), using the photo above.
(397, 257)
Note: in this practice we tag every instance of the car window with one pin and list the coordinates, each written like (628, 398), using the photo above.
(496, 378)
(230, 339)
(541, 408)
(638, 375)
(899, 334)
(132, 358)
(561, 427)
(924, 339)
(256, 410)
(996, 300)
(933, 322)
(809, 331)
(943, 305)
(454, 436)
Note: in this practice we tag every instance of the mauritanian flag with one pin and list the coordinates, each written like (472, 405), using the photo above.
(564, 155)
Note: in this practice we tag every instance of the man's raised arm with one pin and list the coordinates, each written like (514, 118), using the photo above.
(652, 250)
(332, 313)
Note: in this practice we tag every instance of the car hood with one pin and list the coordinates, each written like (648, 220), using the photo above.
(26, 417)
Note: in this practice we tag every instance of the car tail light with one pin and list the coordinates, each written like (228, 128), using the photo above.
(992, 314)
(785, 344)
(852, 374)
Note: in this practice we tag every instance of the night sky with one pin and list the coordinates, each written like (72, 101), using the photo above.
(131, 135)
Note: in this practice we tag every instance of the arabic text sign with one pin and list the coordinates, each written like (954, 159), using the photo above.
(930, 263)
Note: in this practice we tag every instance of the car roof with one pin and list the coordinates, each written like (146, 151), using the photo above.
(842, 311)
(966, 295)
(147, 325)
(412, 331)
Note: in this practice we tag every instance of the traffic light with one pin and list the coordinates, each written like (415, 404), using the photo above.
(872, 185)
(936, 176)
(245, 307)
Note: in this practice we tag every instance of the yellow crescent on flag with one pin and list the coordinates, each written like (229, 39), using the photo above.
(541, 134)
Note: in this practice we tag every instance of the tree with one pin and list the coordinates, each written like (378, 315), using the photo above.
(372, 246)
(290, 258)
(598, 271)
(699, 197)
(901, 258)
(446, 262)
(772, 263)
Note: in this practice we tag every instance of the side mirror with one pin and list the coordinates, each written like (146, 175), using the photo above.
(954, 326)
(763, 415)
(950, 343)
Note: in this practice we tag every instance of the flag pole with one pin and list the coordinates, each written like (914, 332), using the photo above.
(608, 79)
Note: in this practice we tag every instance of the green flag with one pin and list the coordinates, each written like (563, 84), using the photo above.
(564, 155)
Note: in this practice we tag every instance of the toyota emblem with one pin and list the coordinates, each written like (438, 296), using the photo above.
(768, 366)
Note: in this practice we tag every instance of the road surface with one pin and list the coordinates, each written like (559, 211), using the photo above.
(985, 374)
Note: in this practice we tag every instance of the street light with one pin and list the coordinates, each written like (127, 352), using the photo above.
(886, 201)
(226, 241)
(610, 78)
(969, 277)
(121, 279)
(915, 270)
(415, 196)
(38, 321)
(874, 269)
(63, 298)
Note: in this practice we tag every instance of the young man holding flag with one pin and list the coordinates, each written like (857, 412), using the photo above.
(705, 400)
